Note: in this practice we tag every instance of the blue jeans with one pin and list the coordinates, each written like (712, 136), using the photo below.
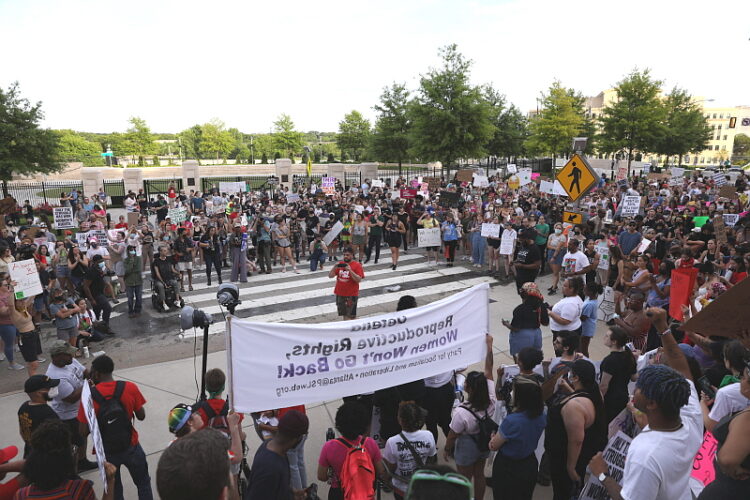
(296, 457)
(135, 295)
(317, 259)
(478, 248)
(8, 334)
(135, 460)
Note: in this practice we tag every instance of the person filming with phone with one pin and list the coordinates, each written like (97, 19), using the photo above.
(348, 273)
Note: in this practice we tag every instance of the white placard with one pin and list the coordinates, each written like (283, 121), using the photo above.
(24, 273)
(332, 233)
(360, 209)
(490, 230)
(631, 205)
(720, 179)
(177, 215)
(83, 241)
(615, 455)
(645, 243)
(232, 187)
(292, 198)
(313, 188)
(63, 217)
(328, 185)
(277, 365)
(603, 250)
(524, 176)
(559, 189)
(547, 187)
(101, 237)
(507, 242)
(428, 237)
(677, 172)
(511, 167)
(731, 219)
(96, 435)
(481, 181)
(376, 183)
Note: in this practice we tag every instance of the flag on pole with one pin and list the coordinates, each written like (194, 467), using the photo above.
(309, 165)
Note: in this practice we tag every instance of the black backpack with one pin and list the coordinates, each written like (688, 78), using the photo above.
(114, 422)
(216, 421)
(486, 427)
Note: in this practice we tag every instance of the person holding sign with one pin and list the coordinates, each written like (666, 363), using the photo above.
(30, 341)
(426, 221)
(451, 233)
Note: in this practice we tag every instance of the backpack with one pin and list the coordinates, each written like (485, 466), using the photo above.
(357, 473)
(114, 422)
(217, 421)
(486, 427)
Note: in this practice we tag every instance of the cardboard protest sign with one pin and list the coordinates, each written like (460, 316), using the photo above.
(433, 183)
(727, 316)
(622, 173)
(428, 237)
(703, 465)
(26, 276)
(465, 175)
(490, 230)
(630, 205)
(83, 241)
(728, 191)
(63, 217)
(133, 218)
(683, 281)
(448, 199)
(481, 181)
(643, 246)
(720, 230)
(614, 454)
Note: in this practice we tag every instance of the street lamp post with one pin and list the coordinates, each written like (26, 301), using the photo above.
(252, 155)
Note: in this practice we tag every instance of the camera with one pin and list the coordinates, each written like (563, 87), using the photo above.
(341, 265)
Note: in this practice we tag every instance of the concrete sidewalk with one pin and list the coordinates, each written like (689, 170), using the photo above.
(168, 383)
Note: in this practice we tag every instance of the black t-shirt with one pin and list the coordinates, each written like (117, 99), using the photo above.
(94, 275)
(164, 267)
(269, 476)
(529, 315)
(616, 364)
(29, 418)
(527, 255)
(213, 243)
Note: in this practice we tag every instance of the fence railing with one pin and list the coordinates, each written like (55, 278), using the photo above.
(42, 192)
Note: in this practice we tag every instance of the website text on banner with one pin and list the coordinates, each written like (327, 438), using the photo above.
(275, 365)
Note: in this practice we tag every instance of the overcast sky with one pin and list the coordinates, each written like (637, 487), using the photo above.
(175, 63)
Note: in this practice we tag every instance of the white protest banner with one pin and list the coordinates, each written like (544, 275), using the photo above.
(177, 215)
(547, 187)
(276, 365)
(603, 250)
(328, 185)
(96, 435)
(292, 198)
(428, 237)
(631, 205)
(232, 187)
(24, 273)
(731, 219)
(507, 242)
(720, 179)
(490, 230)
(481, 181)
(511, 167)
(614, 454)
(332, 233)
(376, 183)
(524, 176)
(63, 217)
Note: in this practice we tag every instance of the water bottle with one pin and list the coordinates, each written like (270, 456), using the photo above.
(86, 353)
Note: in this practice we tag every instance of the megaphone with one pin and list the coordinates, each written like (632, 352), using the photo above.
(228, 295)
(193, 318)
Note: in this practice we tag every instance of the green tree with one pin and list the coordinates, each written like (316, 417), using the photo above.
(741, 149)
(559, 120)
(390, 139)
(216, 141)
(73, 147)
(25, 148)
(354, 134)
(330, 158)
(190, 140)
(264, 159)
(285, 137)
(316, 155)
(242, 153)
(510, 126)
(684, 128)
(450, 117)
(634, 121)
(138, 140)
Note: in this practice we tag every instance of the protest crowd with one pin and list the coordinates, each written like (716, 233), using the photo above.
(645, 255)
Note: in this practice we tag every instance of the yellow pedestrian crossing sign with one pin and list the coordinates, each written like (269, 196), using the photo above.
(577, 177)
(572, 217)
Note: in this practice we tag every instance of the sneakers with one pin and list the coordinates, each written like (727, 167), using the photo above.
(15, 366)
(2, 356)
(41, 359)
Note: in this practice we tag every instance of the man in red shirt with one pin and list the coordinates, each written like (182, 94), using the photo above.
(132, 402)
(348, 273)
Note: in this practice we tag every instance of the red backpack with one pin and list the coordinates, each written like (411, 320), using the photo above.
(357, 473)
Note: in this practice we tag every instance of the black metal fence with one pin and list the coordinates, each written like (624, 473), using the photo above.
(42, 192)
(115, 189)
(154, 187)
(255, 181)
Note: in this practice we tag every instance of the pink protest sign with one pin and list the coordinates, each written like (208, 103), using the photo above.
(703, 465)
(535, 176)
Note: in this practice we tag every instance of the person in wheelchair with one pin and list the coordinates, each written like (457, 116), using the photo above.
(165, 276)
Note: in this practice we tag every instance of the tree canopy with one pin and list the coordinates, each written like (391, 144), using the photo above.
(683, 129)
(286, 138)
(560, 119)
(354, 134)
(390, 139)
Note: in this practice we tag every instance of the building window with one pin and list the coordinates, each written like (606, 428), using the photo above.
(716, 147)
(718, 137)
(721, 116)
(714, 116)
(719, 126)
(725, 138)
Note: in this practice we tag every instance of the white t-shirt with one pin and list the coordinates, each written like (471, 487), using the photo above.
(569, 308)
(438, 380)
(574, 262)
(396, 452)
(71, 378)
(100, 250)
(728, 400)
(659, 463)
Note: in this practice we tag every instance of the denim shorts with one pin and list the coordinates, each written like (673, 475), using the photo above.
(467, 452)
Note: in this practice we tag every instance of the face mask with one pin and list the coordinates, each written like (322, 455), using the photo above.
(166, 238)
(102, 266)
(558, 231)
(132, 252)
(94, 245)
(52, 394)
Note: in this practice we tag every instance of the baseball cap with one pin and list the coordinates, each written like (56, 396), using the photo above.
(237, 224)
(61, 347)
(93, 240)
(178, 417)
(294, 424)
(36, 382)
(7, 453)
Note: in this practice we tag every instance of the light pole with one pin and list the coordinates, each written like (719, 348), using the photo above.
(252, 155)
